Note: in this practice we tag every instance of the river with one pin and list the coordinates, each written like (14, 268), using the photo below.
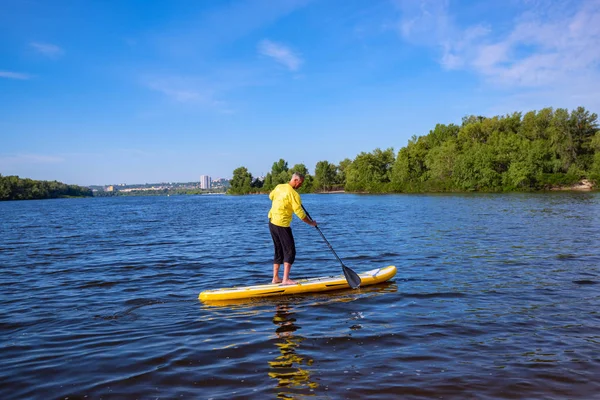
(497, 296)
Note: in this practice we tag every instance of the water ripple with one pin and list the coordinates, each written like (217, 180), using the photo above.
(496, 297)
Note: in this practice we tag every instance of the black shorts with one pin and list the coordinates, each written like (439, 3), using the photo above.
(283, 241)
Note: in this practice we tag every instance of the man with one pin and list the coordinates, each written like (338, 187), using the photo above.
(285, 202)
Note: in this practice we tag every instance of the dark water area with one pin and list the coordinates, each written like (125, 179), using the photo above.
(496, 297)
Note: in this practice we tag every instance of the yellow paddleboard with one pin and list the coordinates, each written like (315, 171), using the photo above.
(303, 286)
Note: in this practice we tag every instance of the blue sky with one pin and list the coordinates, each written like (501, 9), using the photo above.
(136, 91)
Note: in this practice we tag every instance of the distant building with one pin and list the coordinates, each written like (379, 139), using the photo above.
(205, 182)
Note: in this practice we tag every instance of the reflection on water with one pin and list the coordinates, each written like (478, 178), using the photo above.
(290, 367)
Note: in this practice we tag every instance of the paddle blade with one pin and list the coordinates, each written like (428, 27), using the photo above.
(352, 277)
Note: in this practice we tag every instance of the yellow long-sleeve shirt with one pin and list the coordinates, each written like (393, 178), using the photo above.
(285, 202)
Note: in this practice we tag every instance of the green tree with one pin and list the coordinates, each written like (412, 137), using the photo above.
(475, 169)
(409, 171)
(325, 175)
(4, 188)
(279, 174)
(535, 125)
(584, 127)
(341, 171)
(595, 168)
(516, 151)
(472, 130)
(279, 167)
(561, 141)
(440, 162)
(401, 172)
(527, 166)
(300, 169)
(241, 182)
(15, 188)
(268, 182)
(442, 133)
(371, 172)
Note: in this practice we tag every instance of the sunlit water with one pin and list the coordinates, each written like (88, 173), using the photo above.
(496, 296)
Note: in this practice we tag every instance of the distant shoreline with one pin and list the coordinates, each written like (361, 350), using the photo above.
(584, 185)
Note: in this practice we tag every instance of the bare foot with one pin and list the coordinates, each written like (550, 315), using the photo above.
(289, 282)
(276, 281)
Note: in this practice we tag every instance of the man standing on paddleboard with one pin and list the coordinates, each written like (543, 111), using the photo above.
(285, 202)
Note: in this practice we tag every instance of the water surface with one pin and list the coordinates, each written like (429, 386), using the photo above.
(496, 296)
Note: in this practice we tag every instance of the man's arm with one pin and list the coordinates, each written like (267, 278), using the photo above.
(299, 211)
(309, 221)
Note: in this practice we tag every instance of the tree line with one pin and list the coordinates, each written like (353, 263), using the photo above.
(535, 151)
(15, 188)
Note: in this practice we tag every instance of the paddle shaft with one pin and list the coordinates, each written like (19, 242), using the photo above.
(328, 244)
(351, 276)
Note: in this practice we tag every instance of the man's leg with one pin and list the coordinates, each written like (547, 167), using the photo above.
(289, 255)
(276, 274)
(278, 256)
(286, 274)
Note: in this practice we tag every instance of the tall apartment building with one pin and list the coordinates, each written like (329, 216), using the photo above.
(205, 182)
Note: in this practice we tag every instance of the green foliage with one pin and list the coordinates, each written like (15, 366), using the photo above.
(595, 169)
(475, 169)
(595, 142)
(370, 172)
(442, 133)
(241, 182)
(325, 176)
(473, 131)
(532, 151)
(440, 161)
(15, 188)
(341, 171)
(279, 167)
(556, 179)
(408, 171)
(300, 169)
(536, 125)
(279, 174)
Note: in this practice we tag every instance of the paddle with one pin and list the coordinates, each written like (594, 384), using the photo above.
(351, 276)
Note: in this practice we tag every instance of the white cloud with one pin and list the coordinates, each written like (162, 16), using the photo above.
(47, 49)
(187, 90)
(454, 50)
(281, 54)
(14, 75)
(175, 91)
(541, 52)
(545, 44)
(425, 21)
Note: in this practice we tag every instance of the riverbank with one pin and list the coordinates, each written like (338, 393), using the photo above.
(582, 186)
